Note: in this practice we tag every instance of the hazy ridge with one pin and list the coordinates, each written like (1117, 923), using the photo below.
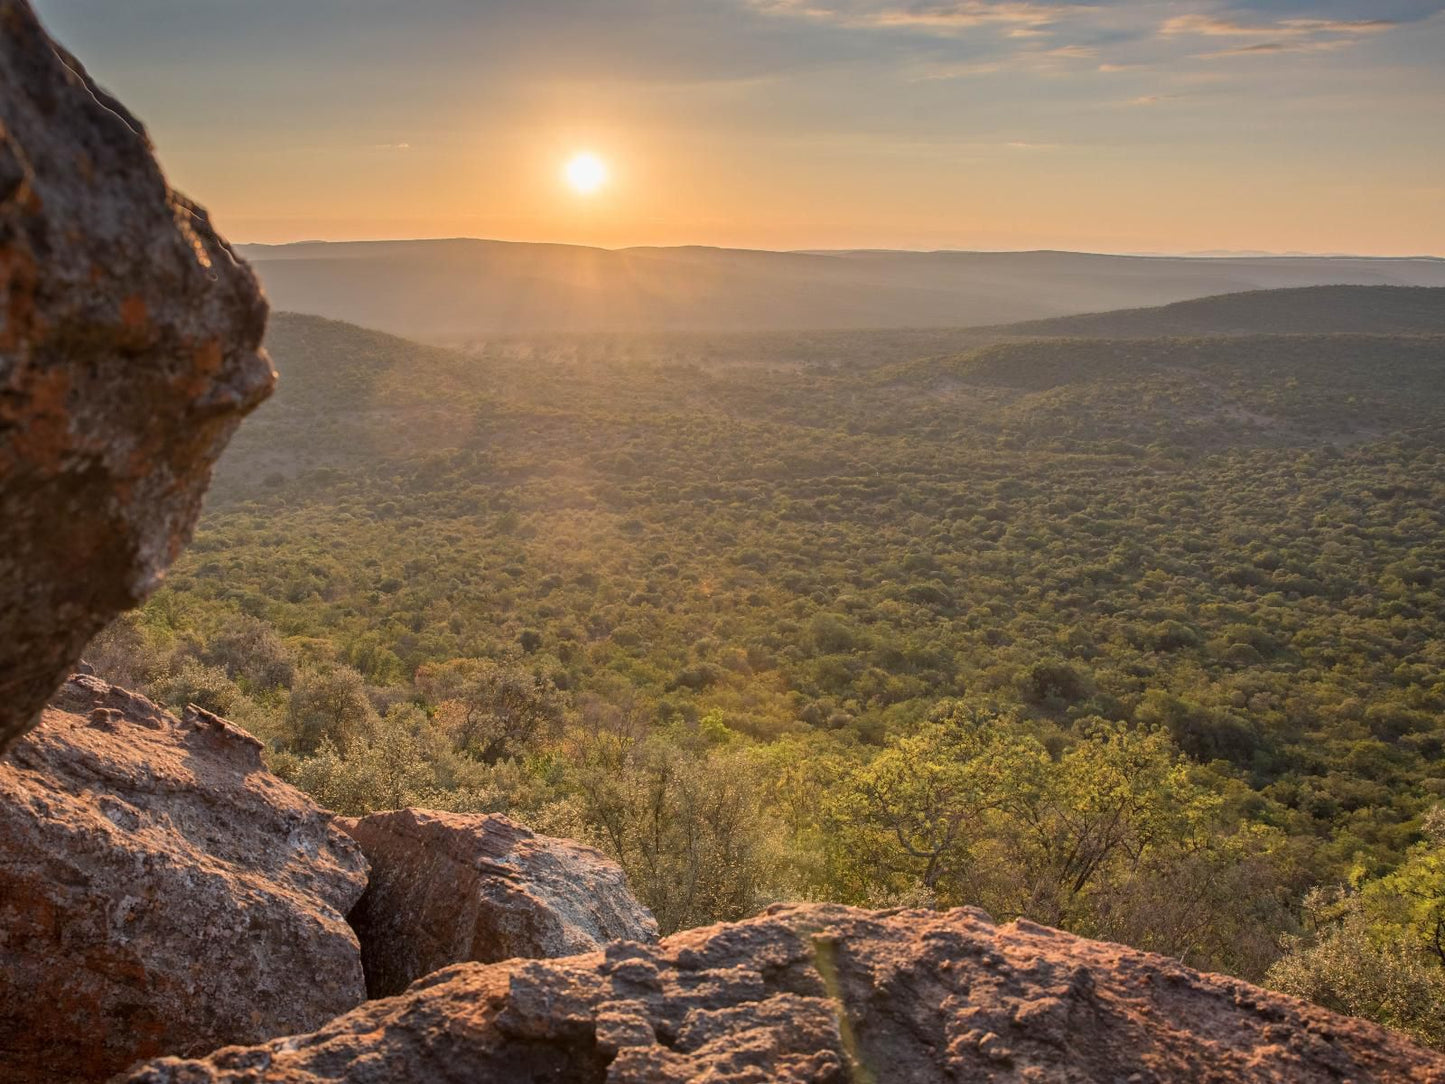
(461, 289)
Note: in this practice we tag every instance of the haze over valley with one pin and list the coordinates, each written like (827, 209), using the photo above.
(462, 288)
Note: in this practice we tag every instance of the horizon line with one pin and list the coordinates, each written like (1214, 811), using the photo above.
(1207, 254)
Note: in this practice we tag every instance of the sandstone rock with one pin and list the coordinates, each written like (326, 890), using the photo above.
(823, 993)
(160, 892)
(447, 888)
(129, 351)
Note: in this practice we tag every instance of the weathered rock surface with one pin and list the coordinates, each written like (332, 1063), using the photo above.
(447, 888)
(160, 892)
(830, 994)
(129, 350)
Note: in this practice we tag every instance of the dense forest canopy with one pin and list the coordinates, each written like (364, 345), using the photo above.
(1141, 636)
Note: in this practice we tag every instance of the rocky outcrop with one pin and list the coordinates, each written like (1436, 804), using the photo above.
(447, 888)
(160, 892)
(830, 994)
(129, 350)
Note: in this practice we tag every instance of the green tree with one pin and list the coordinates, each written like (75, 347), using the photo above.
(1346, 963)
(329, 705)
(1376, 948)
(491, 710)
(1093, 818)
(681, 817)
(920, 809)
(251, 653)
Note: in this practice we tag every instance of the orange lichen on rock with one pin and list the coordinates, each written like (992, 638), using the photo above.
(129, 351)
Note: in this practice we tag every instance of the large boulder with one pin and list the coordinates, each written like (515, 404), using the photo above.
(129, 350)
(161, 892)
(447, 888)
(826, 995)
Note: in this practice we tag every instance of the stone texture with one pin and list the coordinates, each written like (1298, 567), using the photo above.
(821, 993)
(447, 888)
(161, 892)
(129, 350)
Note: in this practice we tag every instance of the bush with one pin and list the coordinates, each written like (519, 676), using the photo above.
(1345, 964)
(329, 706)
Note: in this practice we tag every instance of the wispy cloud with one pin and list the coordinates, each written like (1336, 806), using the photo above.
(1017, 18)
(1067, 38)
(1217, 26)
(1294, 35)
(1273, 48)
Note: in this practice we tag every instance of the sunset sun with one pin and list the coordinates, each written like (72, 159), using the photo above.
(585, 173)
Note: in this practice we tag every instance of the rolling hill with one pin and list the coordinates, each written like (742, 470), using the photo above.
(1316, 310)
(459, 290)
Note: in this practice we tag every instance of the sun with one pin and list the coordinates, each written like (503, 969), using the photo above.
(585, 172)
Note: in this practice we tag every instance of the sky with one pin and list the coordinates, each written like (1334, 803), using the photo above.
(1115, 126)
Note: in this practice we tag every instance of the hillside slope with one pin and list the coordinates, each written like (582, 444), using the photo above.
(353, 399)
(1315, 310)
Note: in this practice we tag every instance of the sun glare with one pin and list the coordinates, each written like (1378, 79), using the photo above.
(586, 173)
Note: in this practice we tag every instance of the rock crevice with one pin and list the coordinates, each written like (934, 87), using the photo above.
(447, 888)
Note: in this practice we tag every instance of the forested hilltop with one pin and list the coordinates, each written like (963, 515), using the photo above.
(1306, 310)
(1141, 637)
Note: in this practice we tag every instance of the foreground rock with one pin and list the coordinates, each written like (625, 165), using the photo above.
(160, 892)
(447, 888)
(830, 994)
(129, 339)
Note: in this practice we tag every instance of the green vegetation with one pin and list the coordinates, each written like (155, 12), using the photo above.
(1392, 310)
(1141, 638)
(1376, 947)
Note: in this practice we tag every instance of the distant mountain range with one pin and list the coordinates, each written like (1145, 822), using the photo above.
(462, 290)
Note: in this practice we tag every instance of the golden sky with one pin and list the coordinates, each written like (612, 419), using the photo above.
(1139, 126)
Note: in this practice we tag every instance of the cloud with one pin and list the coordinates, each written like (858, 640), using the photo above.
(1065, 38)
(1269, 48)
(1215, 26)
(1292, 35)
(1017, 18)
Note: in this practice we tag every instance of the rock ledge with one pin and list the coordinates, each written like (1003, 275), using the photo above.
(828, 995)
(161, 892)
